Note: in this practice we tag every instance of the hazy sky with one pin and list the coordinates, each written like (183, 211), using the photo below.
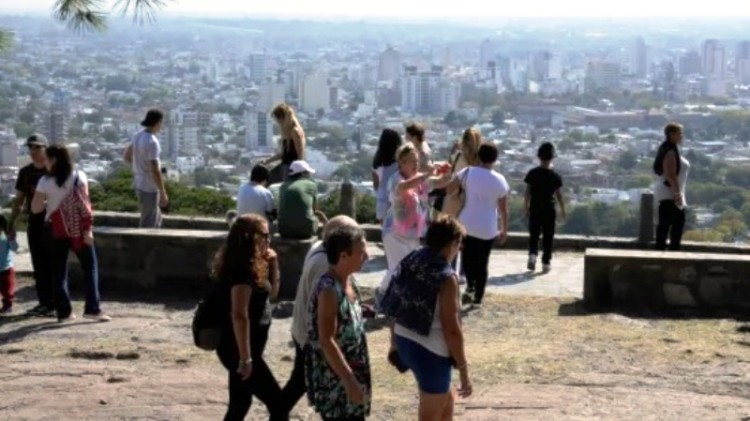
(433, 8)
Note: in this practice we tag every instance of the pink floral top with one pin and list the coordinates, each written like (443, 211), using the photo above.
(407, 216)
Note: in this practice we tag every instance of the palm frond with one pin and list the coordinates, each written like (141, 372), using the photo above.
(143, 11)
(81, 15)
(6, 39)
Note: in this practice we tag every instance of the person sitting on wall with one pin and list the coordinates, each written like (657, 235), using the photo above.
(298, 213)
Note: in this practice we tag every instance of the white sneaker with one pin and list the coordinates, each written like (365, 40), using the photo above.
(532, 263)
(99, 317)
(68, 319)
(546, 267)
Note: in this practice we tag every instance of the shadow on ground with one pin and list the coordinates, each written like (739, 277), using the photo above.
(512, 279)
(577, 308)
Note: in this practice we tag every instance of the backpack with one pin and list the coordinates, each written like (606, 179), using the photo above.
(209, 319)
(74, 217)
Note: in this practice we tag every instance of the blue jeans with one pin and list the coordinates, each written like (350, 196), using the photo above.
(87, 258)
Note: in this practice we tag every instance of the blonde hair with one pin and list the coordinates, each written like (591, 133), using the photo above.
(285, 116)
(404, 151)
(471, 140)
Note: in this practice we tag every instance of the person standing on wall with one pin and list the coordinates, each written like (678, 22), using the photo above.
(671, 170)
(148, 180)
(543, 185)
(37, 233)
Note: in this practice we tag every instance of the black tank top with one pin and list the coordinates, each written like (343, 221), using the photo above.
(289, 153)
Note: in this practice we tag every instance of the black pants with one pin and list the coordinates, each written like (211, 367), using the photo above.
(295, 388)
(352, 418)
(40, 242)
(542, 222)
(671, 223)
(475, 258)
(261, 383)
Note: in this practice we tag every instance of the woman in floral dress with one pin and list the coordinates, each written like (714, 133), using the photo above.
(338, 363)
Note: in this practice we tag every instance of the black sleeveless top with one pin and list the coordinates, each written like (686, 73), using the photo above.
(289, 153)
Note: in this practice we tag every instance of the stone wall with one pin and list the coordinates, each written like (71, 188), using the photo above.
(654, 281)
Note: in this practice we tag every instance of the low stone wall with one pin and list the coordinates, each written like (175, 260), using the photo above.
(661, 281)
(131, 220)
(148, 260)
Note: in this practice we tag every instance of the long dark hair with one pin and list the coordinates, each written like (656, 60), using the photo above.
(388, 144)
(239, 257)
(63, 165)
(667, 145)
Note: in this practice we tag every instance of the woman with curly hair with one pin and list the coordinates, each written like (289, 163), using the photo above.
(248, 268)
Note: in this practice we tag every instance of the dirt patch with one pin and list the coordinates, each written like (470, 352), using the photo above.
(531, 359)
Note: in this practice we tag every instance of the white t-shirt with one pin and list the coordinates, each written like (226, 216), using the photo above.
(434, 342)
(55, 194)
(483, 189)
(255, 199)
(146, 149)
(662, 192)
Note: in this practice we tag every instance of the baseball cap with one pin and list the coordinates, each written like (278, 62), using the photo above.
(37, 139)
(300, 166)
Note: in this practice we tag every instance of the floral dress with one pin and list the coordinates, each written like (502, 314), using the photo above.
(407, 216)
(325, 390)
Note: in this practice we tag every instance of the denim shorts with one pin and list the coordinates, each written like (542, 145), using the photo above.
(432, 371)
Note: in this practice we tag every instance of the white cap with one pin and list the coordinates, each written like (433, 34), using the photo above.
(300, 166)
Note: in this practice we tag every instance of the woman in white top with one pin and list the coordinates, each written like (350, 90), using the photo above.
(384, 165)
(671, 170)
(62, 180)
(486, 199)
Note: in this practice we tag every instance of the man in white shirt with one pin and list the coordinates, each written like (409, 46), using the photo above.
(254, 197)
(143, 154)
(315, 266)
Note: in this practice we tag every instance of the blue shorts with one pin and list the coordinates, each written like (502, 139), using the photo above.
(432, 371)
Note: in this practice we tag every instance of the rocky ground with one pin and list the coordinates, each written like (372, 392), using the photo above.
(533, 358)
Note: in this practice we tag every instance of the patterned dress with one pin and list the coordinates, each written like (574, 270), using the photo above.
(325, 390)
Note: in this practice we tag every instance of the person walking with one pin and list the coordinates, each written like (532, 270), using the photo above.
(315, 266)
(423, 301)
(671, 169)
(543, 185)
(148, 179)
(384, 165)
(338, 363)
(248, 269)
(37, 232)
(64, 193)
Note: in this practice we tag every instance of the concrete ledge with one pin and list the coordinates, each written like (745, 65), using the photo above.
(131, 220)
(658, 281)
(160, 260)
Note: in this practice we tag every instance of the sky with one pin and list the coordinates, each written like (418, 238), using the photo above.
(430, 9)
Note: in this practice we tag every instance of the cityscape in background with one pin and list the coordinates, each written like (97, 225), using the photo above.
(600, 91)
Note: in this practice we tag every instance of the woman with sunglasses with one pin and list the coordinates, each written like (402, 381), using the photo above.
(248, 268)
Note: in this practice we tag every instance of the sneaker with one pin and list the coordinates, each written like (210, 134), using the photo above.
(6, 309)
(546, 267)
(68, 319)
(462, 280)
(477, 304)
(532, 263)
(99, 317)
(467, 298)
(42, 311)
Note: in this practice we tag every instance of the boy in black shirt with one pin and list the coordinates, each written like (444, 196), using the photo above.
(543, 184)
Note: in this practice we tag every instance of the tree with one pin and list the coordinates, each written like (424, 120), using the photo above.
(365, 206)
(22, 130)
(627, 160)
(86, 15)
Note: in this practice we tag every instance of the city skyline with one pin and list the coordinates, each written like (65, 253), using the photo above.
(422, 9)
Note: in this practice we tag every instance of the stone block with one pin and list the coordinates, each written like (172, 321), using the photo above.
(291, 258)
(677, 295)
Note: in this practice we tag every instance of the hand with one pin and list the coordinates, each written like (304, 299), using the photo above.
(163, 199)
(465, 389)
(354, 391)
(271, 256)
(502, 238)
(678, 199)
(88, 238)
(245, 371)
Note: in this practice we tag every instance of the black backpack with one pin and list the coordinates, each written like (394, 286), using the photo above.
(210, 319)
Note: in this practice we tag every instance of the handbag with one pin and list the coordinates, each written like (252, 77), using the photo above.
(73, 217)
(455, 202)
(209, 320)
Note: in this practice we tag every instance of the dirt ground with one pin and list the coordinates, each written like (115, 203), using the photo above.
(531, 359)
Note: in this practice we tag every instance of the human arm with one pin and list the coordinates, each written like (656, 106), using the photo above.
(452, 332)
(241, 327)
(375, 180)
(18, 202)
(274, 157)
(561, 201)
(298, 140)
(327, 326)
(502, 206)
(273, 273)
(159, 180)
(413, 182)
(670, 173)
(128, 156)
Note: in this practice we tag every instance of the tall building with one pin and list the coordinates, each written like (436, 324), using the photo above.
(8, 154)
(56, 121)
(258, 131)
(540, 66)
(270, 95)
(486, 52)
(742, 62)
(315, 93)
(183, 132)
(426, 92)
(691, 64)
(603, 75)
(639, 59)
(258, 67)
(389, 64)
(714, 59)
